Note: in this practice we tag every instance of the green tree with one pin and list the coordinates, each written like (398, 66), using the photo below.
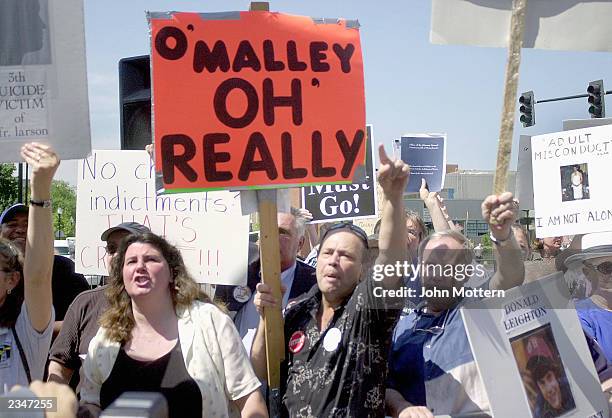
(8, 185)
(63, 196)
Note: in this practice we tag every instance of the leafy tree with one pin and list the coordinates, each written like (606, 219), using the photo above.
(63, 196)
(8, 185)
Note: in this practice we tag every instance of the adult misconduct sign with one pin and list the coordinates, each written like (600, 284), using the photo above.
(256, 99)
(571, 181)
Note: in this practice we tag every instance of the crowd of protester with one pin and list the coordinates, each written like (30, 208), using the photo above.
(349, 353)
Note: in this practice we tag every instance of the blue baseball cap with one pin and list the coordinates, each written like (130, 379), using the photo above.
(10, 212)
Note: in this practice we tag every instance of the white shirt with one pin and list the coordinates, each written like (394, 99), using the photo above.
(35, 346)
(577, 191)
(212, 353)
(247, 318)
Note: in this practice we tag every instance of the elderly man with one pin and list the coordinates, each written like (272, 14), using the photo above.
(296, 277)
(338, 335)
(431, 366)
(65, 283)
(81, 321)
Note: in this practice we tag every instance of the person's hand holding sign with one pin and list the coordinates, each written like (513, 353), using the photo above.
(44, 163)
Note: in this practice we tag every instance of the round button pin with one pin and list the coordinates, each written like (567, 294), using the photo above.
(296, 342)
(242, 293)
(332, 339)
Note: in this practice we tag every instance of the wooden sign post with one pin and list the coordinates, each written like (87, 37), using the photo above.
(257, 100)
(504, 149)
(270, 274)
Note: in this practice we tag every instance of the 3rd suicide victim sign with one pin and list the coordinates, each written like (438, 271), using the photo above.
(571, 181)
(256, 99)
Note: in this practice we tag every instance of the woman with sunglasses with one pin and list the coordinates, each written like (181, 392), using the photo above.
(595, 312)
(26, 314)
(160, 334)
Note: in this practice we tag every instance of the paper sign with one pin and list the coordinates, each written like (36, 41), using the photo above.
(353, 201)
(571, 181)
(549, 24)
(43, 83)
(518, 339)
(256, 99)
(118, 186)
(426, 156)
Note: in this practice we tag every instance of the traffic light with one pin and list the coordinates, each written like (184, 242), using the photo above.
(596, 92)
(527, 109)
(135, 102)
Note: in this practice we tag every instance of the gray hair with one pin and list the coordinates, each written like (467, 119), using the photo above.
(450, 233)
(300, 222)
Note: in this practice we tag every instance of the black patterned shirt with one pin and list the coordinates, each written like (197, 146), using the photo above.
(341, 371)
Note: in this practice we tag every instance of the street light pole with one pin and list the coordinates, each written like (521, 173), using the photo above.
(59, 222)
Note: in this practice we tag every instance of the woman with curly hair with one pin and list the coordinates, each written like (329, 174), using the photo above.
(26, 314)
(157, 336)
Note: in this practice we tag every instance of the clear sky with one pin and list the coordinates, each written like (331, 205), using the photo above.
(411, 85)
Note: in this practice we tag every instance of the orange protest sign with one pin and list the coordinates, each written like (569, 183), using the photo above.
(256, 99)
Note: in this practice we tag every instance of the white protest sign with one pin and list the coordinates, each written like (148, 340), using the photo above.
(43, 78)
(549, 24)
(119, 186)
(532, 355)
(571, 181)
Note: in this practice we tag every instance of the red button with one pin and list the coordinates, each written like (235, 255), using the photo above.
(296, 342)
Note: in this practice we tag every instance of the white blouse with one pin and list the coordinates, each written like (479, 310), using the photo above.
(213, 353)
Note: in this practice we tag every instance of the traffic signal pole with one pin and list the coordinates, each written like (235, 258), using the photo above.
(596, 102)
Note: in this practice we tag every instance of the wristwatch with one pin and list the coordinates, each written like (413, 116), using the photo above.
(500, 241)
(41, 203)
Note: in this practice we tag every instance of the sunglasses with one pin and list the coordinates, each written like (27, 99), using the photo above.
(435, 330)
(604, 268)
(352, 228)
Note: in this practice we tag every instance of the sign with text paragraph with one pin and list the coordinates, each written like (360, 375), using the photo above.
(43, 77)
(119, 186)
(571, 181)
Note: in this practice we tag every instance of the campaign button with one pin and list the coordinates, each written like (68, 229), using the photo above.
(242, 293)
(332, 339)
(296, 342)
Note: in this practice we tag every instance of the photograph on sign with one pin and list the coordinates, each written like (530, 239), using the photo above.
(43, 81)
(542, 373)
(574, 182)
(531, 339)
(24, 38)
(548, 24)
(118, 186)
(285, 94)
(353, 201)
(426, 156)
(571, 181)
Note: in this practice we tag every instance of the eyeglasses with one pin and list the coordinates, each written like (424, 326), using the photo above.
(604, 268)
(436, 329)
(347, 225)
